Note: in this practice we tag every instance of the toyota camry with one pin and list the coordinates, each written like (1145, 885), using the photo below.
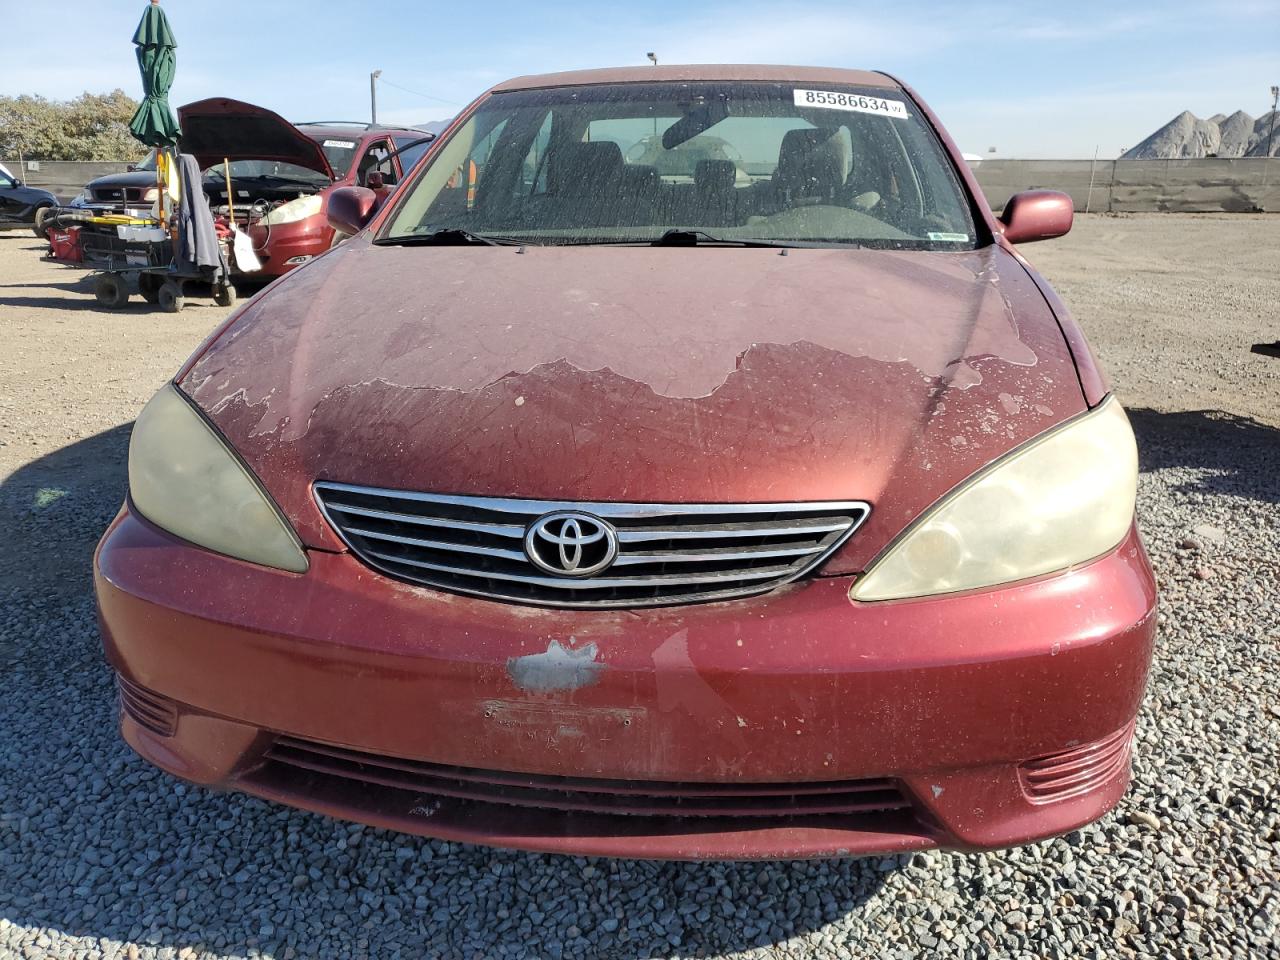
(684, 464)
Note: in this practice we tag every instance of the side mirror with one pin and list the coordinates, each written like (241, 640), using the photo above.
(131, 167)
(351, 208)
(1036, 215)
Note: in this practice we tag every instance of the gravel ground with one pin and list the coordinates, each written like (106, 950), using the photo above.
(102, 856)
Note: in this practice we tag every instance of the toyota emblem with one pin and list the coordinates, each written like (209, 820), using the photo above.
(570, 544)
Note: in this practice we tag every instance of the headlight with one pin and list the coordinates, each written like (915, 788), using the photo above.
(293, 211)
(184, 479)
(1065, 498)
(152, 195)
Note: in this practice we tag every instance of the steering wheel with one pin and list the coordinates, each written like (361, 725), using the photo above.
(635, 153)
(731, 153)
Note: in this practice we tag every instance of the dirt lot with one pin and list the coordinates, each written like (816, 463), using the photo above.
(1172, 303)
(102, 856)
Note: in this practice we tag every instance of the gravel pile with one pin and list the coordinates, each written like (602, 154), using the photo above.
(1186, 136)
(102, 856)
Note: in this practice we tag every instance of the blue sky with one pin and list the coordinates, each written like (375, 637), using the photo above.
(1031, 79)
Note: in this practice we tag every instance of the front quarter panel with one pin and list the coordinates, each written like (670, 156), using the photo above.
(1093, 379)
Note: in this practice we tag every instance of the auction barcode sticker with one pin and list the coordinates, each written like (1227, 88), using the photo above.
(857, 102)
(348, 144)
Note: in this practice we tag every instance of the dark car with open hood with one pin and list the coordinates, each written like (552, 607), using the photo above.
(683, 463)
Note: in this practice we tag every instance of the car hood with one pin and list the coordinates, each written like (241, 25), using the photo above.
(639, 374)
(133, 178)
(220, 128)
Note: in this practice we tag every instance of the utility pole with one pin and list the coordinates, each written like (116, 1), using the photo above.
(373, 96)
(1275, 98)
(1092, 168)
(653, 58)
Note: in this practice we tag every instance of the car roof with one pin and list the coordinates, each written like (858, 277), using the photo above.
(699, 71)
(352, 131)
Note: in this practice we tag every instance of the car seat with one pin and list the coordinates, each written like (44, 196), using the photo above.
(811, 165)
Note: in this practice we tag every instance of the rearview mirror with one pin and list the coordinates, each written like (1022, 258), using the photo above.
(1036, 215)
(351, 208)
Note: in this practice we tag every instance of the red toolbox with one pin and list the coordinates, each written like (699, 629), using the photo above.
(65, 245)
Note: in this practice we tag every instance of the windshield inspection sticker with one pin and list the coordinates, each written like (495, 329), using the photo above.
(339, 143)
(949, 237)
(856, 102)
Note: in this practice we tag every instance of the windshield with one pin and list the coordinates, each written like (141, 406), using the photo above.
(730, 161)
(339, 153)
(267, 170)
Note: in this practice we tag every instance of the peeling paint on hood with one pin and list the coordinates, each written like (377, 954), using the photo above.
(637, 373)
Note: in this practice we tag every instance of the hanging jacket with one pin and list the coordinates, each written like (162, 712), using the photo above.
(198, 250)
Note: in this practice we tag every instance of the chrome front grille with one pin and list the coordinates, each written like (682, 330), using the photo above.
(665, 553)
(128, 194)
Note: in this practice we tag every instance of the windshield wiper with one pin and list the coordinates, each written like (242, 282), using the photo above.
(445, 237)
(691, 238)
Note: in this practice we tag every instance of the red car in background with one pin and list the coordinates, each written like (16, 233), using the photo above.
(282, 173)
(684, 463)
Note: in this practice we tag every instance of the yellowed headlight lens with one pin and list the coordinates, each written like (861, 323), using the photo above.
(183, 479)
(1060, 501)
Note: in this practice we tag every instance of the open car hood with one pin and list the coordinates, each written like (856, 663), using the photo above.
(220, 128)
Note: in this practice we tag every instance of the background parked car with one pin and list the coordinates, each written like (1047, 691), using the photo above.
(20, 205)
(282, 173)
(133, 191)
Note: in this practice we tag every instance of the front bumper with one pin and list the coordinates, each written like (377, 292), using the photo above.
(972, 721)
(115, 208)
(288, 245)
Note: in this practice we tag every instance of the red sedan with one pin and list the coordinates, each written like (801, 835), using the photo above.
(274, 178)
(683, 464)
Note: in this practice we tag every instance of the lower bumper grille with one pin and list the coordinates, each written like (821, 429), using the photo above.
(1070, 773)
(147, 709)
(584, 795)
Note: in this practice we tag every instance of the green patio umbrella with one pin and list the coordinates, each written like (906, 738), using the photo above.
(153, 123)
